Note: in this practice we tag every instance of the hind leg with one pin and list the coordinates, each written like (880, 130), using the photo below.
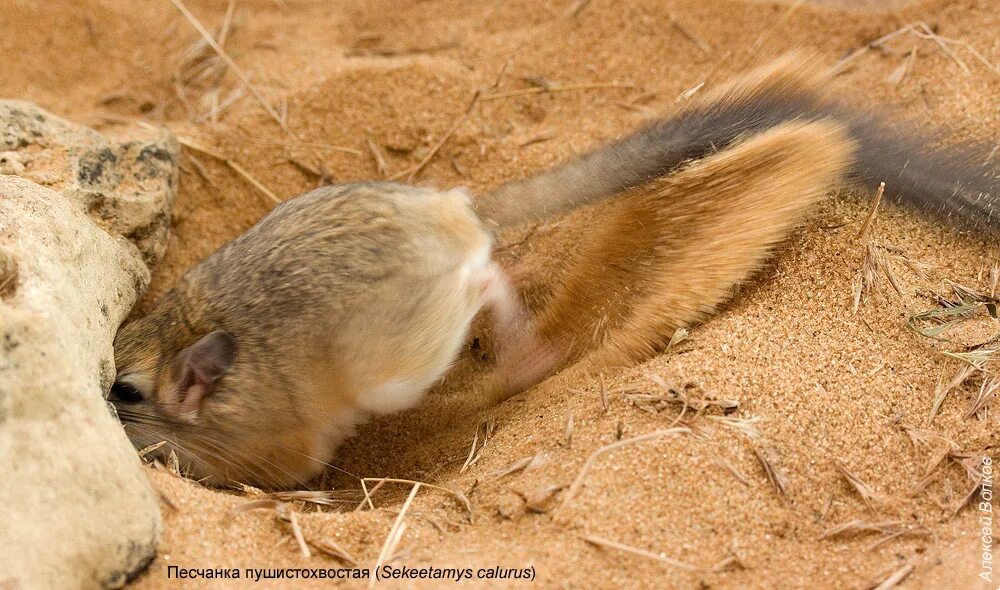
(524, 357)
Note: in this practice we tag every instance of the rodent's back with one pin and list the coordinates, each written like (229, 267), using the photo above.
(320, 255)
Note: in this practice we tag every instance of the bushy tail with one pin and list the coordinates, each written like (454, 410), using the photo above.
(954, 184)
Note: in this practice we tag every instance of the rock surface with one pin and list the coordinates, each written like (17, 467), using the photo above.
(126, 187)
(78, 227)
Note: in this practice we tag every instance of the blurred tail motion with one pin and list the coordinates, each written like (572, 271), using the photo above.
(706, 194)
(953, 184)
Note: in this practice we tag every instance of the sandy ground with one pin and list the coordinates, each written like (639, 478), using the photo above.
(821, 385)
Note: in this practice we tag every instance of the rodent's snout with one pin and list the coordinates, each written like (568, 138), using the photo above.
(191, 403)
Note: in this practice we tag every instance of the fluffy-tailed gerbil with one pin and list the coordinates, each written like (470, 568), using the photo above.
(353, 300)
(702, 198)
(344, 302)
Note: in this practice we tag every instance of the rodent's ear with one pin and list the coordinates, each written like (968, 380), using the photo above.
(195, 371)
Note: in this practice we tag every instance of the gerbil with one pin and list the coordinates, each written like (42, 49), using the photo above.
(703, 197)
(353, 300)
(347, 301)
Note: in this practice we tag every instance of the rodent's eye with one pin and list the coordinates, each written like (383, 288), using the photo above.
(126, 392)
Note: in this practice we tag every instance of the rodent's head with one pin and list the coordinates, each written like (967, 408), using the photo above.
(211, 406)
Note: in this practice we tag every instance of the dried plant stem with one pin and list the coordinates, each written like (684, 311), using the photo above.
(575, 487)
(381, 480)
(411, 172)
(233, 165)
(368, 495)
(897, 577)
(601, 542)
(242, 76)
(395, 533)
(866, 226)
(293, 521)
(547, 89)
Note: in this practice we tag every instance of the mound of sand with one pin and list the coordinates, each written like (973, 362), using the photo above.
(826, 396)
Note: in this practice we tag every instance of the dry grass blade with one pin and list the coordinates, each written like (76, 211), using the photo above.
(868, 279)
(922, 30)
(923, 437)
(827, 507)
(378, 156)
(575, 487)
(679, 335)
(411, 172)
(857, 289)
(898, 576)
(318, 497)
(395, 533)
(768, 458)
(539, 138)
(229, 61)
(728, 563)
(743, 479)
(174, 464)
(487, 427)
(687, 94)
(870, 219)
(201, 68)
(929, 33)
(970, 295)
(147, 450)
(604, 393)
(332, 549)
(568, 431)
(930, 468)
(916, 531)
(864, 490)
(841, 65)
(744, 425)
(977, 358)
(240, 74)
(934, 323)
(552, 88)
(292, 144)
(703, 46)
(540, 501)
(899, 74)
(381, 480)
(293, 521)
(233, 165)
(679, 395)
(987, 391)
(472, 451)
(515, 466)
(601, 542)
(368, 495)
(399, 51)
(858, 526)
(252, 505)
(942, 390)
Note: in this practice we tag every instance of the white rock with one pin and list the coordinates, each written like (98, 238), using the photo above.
(126, 187)
(76, 508)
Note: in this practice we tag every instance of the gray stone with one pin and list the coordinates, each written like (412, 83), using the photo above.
(76, 508)
(126, 186)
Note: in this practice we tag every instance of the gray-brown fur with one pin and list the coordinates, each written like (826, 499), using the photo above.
(323, 296)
